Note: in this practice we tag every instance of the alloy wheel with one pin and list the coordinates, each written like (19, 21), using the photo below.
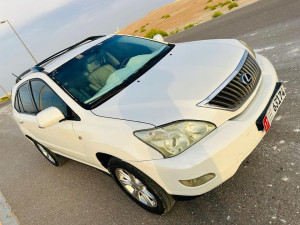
(46, 154)
(135, 187)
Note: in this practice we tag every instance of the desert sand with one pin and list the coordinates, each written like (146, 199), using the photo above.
(175, 16)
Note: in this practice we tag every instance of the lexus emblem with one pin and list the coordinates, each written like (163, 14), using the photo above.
(246, 78)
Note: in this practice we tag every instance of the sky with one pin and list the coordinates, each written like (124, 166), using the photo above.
(49, 26)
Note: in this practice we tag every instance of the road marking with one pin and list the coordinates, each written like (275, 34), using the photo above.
(264, 49)
(6, 216)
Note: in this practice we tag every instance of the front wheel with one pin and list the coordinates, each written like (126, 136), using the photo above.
(141, 188)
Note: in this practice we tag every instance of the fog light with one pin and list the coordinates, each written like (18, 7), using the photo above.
(198, 181)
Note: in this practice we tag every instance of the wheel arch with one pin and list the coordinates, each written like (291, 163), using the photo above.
(30, 139)
(103, 158)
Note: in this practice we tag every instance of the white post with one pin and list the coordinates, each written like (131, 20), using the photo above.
(3, 90)
(20, 40)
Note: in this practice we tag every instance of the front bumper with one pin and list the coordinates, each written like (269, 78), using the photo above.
(221, 152)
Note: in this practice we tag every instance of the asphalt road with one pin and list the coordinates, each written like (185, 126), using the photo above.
(265, 189)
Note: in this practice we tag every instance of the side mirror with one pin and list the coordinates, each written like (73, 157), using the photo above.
(159, 38)
(49, 117)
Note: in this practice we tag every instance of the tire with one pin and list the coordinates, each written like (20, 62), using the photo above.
(54, 159)
(185, 198)
(140, 188)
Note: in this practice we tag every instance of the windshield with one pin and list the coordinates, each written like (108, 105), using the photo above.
(101, 70)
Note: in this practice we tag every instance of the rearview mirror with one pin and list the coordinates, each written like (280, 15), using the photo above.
(49, 117)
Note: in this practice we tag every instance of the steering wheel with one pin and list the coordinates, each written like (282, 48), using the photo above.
(124, 62)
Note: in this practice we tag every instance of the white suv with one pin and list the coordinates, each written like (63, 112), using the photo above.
(163, 119)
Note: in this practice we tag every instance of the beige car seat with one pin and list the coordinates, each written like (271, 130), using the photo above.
(98, 74)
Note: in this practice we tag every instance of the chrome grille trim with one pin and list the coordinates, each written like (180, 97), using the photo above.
(232, 94)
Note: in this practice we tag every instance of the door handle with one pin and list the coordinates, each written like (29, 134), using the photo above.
(21, 122)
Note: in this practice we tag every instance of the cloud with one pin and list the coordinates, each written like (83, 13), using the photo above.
(22, 12)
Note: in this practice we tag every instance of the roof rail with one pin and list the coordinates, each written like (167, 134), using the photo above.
(39, 68)
(22, 75)
(33, 69)
(92, 38)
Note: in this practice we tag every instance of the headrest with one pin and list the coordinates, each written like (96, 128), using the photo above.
(91, 67)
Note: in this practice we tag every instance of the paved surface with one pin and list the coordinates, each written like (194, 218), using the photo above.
(265, 190)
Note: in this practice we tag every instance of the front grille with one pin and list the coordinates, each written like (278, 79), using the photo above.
(236, 93)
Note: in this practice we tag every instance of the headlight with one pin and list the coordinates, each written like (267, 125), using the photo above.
(248, 48)
(172, 139)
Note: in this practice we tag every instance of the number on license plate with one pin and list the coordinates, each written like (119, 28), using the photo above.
(273, 108)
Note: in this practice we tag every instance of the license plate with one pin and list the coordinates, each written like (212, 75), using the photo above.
(265, 120)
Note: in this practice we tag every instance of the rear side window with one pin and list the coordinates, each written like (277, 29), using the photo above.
(44, 97)
(24, 100)
(17, 103)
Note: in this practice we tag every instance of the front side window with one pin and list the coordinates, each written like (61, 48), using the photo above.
(35, 96)
(102, 70)
(44, 97)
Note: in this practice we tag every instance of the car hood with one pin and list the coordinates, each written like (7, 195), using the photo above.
(171, 89)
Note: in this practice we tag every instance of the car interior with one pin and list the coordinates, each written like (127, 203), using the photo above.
(104, 65)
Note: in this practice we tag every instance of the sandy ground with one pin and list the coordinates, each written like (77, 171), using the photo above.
(182, 13)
